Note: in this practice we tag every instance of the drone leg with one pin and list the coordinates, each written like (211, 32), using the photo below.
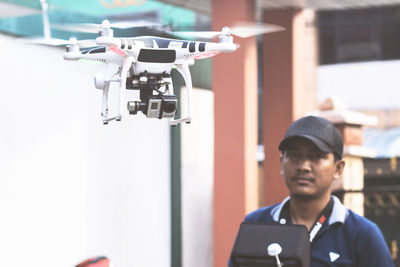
(122, 85)
(185, 72)
(104, 107)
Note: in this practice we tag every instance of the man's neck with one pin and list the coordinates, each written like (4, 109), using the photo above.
(306, 211)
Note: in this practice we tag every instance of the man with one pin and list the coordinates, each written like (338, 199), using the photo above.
(311, 160)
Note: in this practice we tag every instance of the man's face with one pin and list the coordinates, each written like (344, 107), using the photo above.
(307, 171)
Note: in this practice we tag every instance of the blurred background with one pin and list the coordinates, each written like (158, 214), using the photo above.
(145, 194)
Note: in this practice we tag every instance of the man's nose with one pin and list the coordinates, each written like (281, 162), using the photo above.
(304, 163)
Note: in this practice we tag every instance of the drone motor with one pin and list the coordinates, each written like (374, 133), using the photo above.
(72, 45)
(72, 48)
(225, 36)
(105, 30)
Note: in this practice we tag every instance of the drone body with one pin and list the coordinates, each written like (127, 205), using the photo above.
(151, 54)
(144, 63)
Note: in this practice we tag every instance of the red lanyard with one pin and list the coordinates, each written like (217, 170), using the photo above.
(319, 222)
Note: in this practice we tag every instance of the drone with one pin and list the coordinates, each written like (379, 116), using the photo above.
(144, 63)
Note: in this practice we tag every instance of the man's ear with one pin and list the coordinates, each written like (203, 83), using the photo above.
(339, 166)
(281, 157)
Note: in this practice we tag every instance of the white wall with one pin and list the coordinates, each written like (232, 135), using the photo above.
(365, 85)
(70, 187)
(198, 181)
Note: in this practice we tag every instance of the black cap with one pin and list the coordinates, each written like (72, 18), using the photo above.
(319, 131)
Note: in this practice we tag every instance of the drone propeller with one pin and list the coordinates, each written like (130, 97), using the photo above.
(241, 29)
(42, 41)
(94, 28)
(58, 42)
(86, 43)
(81, 43)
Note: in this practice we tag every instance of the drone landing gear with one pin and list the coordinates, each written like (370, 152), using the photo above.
(106, 120)
(104, 112)
(185, 72)
(122, 87)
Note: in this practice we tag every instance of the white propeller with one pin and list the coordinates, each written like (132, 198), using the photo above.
(46, 39)
(87, 43)
(241, 29)
(82, 43)
(42, 41)
(95, 28)
(57, 42)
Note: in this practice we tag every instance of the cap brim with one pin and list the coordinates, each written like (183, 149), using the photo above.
(321, 145)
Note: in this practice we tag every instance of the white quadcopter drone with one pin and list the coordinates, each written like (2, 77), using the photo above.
(144, 63)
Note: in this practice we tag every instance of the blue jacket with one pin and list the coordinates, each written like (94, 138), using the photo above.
(346, 239)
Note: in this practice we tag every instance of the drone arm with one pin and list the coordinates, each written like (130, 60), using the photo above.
(185, 72)
(108, 41)
(221, 47)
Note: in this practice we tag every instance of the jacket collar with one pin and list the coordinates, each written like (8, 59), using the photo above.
(339, 211)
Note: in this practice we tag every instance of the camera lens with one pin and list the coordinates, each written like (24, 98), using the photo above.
(133, 107)
(169, 106)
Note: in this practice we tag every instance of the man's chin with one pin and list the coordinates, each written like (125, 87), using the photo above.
(303, 196)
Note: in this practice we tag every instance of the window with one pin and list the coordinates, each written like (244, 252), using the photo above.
(359, 35)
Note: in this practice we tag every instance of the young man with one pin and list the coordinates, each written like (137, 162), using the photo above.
(311, 160)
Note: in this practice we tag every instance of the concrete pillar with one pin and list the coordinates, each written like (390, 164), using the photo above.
(235, 94)
(289, 62)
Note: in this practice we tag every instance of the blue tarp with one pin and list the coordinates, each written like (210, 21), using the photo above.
(386, 143)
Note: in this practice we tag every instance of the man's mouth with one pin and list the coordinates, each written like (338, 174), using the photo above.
(300, 179)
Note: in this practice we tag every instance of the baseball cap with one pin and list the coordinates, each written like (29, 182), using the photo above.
(318, 130)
